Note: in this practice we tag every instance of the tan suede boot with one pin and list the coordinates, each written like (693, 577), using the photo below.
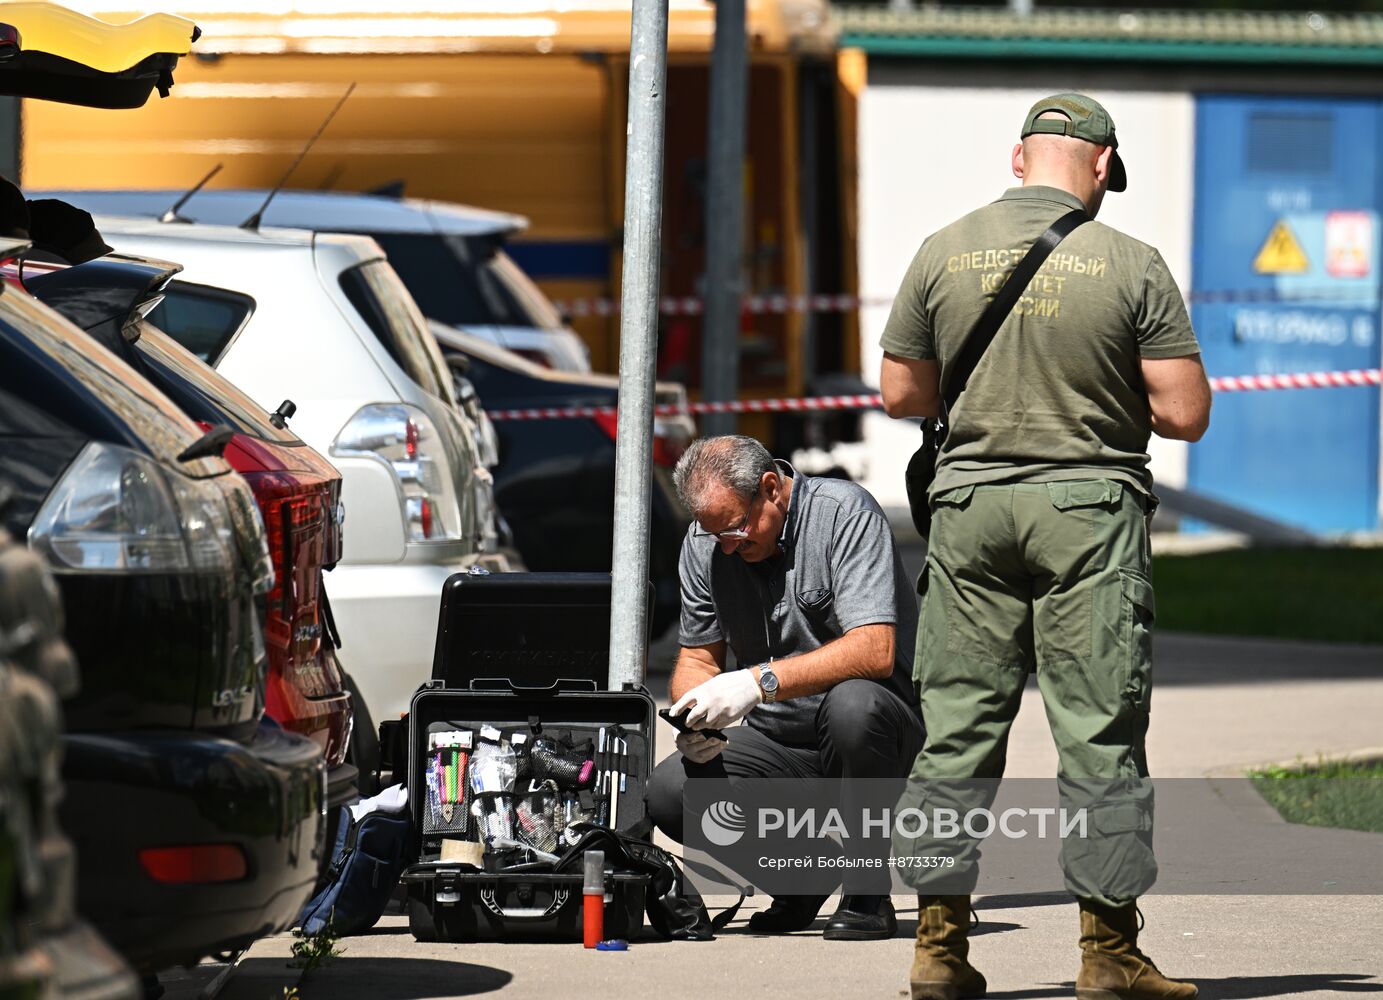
(940, 966)
(1112, 967)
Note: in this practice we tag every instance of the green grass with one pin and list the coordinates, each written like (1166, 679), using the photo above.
(1344, 795)
(1321, 594)
(313, 951)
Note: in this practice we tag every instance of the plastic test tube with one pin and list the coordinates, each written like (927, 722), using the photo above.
(593, 899)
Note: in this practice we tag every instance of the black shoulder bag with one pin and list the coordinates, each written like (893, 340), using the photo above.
(922, 467)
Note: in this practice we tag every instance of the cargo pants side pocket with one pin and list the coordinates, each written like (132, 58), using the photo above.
(1141, 610)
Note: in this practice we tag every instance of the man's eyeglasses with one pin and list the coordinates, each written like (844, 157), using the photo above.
(736, 534)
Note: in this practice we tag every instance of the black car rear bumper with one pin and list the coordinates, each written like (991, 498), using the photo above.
(133, 791)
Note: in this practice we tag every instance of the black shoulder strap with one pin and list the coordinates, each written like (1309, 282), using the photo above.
(982, 334)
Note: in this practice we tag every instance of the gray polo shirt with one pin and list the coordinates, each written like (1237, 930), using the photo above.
(838, 569)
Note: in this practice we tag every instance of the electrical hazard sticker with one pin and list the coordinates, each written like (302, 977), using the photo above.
(1349, 244)
(1281, 253)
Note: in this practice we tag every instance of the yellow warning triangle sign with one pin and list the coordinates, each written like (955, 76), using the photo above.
(1281, 253)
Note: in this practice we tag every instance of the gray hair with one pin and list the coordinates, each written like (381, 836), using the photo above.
(731, 461)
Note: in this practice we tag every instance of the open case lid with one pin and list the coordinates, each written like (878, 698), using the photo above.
(530, 629)
(55, 54)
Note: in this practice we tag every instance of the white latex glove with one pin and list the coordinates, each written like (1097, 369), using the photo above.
(699, 748)
(721, 701)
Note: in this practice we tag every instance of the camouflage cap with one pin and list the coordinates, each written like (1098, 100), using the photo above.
(1086, 119)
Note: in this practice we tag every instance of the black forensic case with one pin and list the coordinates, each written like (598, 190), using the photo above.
(522, 653)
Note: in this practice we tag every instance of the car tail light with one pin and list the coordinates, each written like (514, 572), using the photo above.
(336, 512)
(249, 531)
(116, 511)
(537, 357)
(667, 444)
(288, 607)
(195, 863)
(10, 42)
(666, 448)
(405, 438)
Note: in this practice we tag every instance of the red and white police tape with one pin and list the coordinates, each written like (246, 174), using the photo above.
(815, 404)
(1305, 380)
(692, 305)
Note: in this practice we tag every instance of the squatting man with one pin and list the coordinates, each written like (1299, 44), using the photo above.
(799, 578)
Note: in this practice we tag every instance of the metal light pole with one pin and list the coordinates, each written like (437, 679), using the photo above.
(720, 339)
(643, 219)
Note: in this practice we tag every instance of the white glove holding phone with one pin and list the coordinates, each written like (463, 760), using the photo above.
(699, 748)
(721, 701)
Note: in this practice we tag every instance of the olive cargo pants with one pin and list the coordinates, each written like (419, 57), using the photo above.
(1056, 575)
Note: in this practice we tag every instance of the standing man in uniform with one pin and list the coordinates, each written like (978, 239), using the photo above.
(800, 579)
(1039, 542)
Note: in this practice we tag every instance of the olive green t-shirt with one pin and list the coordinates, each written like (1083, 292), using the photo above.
(1059, 394)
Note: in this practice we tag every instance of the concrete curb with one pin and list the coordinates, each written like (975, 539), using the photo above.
(1235, 790)
(1366, 755)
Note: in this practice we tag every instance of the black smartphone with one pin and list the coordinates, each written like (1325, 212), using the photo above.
(677, 723)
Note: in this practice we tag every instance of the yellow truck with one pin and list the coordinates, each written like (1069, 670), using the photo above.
(520, 106)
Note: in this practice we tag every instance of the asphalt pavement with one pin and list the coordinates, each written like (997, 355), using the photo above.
(1219, 705)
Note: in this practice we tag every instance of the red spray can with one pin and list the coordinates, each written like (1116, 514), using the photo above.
(593, 899)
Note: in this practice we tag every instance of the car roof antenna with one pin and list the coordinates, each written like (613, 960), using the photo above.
(252, 223)
(172, 214)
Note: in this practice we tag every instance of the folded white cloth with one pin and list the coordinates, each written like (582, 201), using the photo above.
(392, 800)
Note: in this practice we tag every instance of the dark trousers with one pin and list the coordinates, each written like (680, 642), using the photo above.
(863, 731)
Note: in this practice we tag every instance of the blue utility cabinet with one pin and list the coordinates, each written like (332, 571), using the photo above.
(1285, 270)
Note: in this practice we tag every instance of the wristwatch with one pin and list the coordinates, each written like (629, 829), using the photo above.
(768, 683)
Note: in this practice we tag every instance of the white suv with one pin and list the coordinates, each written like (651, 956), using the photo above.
(451, 257)
(325, 322)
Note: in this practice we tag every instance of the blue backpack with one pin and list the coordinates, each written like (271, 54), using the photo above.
(366, 862)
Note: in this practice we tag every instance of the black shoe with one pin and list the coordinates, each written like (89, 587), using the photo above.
(787, 913)
(862, 918)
